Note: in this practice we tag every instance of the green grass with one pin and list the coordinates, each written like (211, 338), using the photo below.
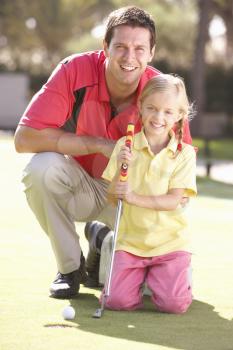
(29, 319)
(212, 188)
(219, 149)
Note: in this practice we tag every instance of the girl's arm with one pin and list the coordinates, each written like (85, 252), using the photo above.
(121, 190)
(164, 202)
(168, 201)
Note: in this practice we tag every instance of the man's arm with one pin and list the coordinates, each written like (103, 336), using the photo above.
(30, 140)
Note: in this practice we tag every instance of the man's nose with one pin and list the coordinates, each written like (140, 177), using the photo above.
(129, 53)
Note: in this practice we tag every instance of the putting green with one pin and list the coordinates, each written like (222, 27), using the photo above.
(29, 319)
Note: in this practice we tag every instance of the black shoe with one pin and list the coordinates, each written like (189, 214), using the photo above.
(82, 270)
(95, 232)
(93, 270)
(67, 285)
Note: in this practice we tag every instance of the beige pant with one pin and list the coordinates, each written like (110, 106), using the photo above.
(60, 192)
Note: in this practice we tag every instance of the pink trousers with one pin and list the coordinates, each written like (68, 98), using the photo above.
(167, 276)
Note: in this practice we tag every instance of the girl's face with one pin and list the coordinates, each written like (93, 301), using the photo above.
(159, 113)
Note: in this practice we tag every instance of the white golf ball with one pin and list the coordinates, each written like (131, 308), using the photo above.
(68, 313)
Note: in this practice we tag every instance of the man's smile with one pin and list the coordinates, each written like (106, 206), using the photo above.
(127, 68)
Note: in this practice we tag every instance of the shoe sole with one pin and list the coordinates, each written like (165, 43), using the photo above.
(63, 295)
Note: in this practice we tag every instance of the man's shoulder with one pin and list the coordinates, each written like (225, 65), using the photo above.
(84, 68)
(89, 58)
(151, 72)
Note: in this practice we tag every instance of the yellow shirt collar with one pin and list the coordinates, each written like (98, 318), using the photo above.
(140, 142)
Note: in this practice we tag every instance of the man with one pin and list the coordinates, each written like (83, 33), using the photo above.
(72, 124)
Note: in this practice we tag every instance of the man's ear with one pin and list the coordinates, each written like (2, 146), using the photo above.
(105, 48)
(152, 54)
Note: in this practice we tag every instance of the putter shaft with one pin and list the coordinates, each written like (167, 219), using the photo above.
(123, 177)
(98, 313)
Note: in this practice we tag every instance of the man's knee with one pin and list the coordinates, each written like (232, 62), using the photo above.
(40, 162)
(43, 169)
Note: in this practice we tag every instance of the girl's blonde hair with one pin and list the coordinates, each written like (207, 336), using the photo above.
(166, 82)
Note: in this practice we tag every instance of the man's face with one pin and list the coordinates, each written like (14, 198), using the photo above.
(128, 54)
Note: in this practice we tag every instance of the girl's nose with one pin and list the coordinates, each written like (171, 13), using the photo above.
(158, 115)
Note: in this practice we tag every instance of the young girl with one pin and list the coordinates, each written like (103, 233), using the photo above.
(153, 240)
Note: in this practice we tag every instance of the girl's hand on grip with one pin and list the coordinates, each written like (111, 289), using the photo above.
(124, 156)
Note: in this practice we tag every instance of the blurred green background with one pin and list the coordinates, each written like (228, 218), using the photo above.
(194, 39)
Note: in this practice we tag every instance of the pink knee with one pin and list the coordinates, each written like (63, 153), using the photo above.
(173, 305)
(123, 302)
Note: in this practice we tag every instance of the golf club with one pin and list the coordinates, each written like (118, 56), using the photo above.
(123, 177)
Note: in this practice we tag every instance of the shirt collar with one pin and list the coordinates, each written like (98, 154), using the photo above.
(141, 142)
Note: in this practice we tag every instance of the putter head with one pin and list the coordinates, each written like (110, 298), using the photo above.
(97, 313)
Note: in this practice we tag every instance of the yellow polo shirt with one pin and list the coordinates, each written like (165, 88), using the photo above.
(149, 232)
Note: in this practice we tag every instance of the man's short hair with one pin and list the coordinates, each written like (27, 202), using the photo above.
(132, 16)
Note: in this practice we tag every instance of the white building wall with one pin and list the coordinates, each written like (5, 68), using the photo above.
(14, 89)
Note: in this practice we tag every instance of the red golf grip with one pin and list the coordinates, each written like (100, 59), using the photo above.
(128, 143)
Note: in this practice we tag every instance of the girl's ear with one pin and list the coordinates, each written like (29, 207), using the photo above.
(139, 107)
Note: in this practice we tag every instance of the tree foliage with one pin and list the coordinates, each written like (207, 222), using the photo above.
(61, 25)
(36, 34)
(224, 8)
(199, 66)
(55, 22)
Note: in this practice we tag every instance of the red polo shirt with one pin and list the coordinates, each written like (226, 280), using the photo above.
(76, 98)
